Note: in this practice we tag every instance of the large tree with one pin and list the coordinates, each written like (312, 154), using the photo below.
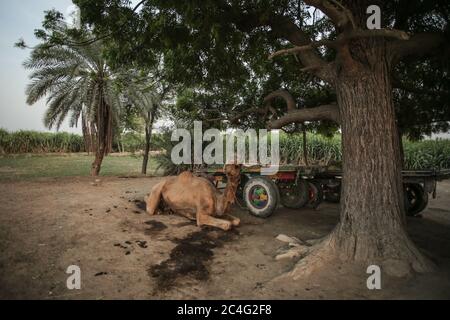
(222, 46)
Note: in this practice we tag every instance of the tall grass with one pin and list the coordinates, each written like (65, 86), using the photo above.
(427, 154)
(320, 150)
(62, 142)
(39, 142)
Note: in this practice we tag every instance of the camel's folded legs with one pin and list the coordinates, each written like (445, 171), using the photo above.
(153, 199)
(203, 219)
(234, 221)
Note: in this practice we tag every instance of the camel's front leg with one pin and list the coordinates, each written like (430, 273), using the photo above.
(234, 221)
(154, 198)
(204, 219)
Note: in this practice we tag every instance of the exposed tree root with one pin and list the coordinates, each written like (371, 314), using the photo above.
(318, 253)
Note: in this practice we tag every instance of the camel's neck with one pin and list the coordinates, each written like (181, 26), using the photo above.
(227, 198)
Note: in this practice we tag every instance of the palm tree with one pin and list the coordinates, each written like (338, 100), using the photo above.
(78, 83)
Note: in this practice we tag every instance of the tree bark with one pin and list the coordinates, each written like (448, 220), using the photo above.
(325, 112)
(97, 164)
(372, 214)
(104, 124)
(372, 227)
(148, 137)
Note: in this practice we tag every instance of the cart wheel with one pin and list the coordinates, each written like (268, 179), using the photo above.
(333, 197)
(261, 196)
(332, 193)
(315, 194)
(416, 199)
(240, 188)
(295, 196)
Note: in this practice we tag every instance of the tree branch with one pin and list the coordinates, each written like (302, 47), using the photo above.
(418, 45)
(338, 14)
(285, 95)
(299, 49)
(284, 27)
(343, 39)
(266, 109)
(324, 112)
(293, 115)
(251, 111)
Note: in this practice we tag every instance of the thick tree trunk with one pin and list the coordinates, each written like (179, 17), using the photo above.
(372, 227)
(372, 222)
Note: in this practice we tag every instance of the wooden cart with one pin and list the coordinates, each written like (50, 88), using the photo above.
(307, 186)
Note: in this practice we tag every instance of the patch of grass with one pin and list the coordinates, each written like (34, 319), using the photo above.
(23, 167)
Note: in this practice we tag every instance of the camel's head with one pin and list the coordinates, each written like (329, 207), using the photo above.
(232, 171)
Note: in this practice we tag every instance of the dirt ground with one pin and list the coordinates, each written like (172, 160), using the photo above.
(50, 224)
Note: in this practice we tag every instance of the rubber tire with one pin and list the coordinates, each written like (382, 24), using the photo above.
(301, 198)
(272, 192)
(240, 189)
(318, 194)
(332, 194)
(421, 197)
(332, 197)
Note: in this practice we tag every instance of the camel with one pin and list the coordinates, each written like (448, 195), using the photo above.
(196, 198)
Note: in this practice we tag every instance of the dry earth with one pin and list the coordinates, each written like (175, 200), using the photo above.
(47, 225)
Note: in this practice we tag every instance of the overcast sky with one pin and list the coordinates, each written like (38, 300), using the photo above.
(18, 19)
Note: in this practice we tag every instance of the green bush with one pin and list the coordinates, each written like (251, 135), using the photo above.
(130, 142)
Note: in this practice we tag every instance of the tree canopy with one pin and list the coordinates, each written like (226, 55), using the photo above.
(219, 51)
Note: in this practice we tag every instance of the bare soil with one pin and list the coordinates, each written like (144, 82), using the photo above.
(49, 224)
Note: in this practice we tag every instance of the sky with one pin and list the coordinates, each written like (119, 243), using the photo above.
(19, 19)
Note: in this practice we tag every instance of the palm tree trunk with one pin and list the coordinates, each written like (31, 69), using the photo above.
(96, 165)
(104, 122)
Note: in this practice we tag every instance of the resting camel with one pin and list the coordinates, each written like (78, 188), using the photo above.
(197, 198)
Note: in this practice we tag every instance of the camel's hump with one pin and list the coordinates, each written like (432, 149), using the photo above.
(186, 175)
